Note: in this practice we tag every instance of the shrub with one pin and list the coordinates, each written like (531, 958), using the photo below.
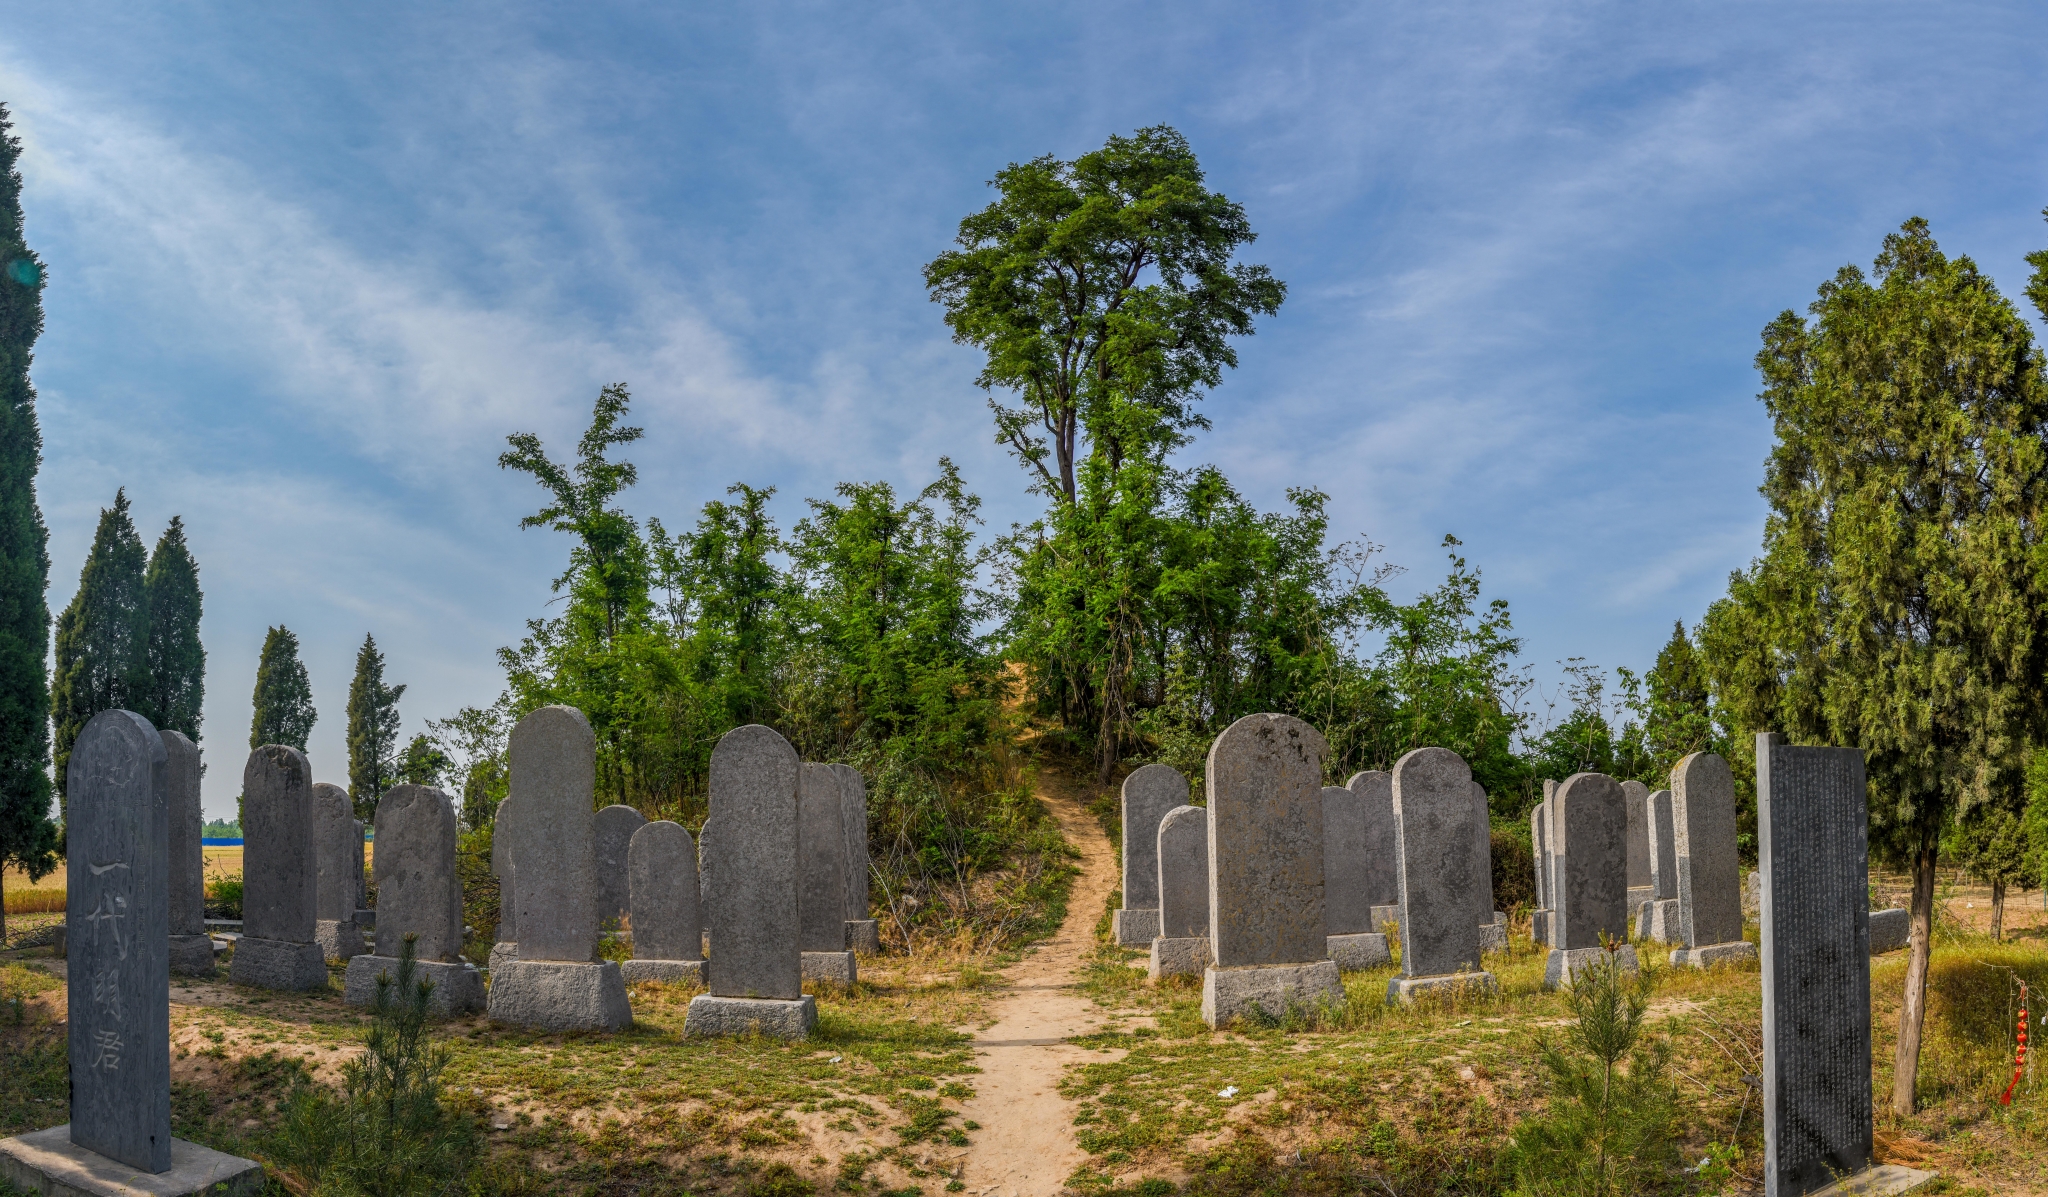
(224, 896)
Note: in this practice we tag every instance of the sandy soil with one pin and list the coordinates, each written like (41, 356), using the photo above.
(1025, 1147)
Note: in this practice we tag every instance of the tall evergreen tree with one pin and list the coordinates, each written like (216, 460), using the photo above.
(175, 659)
(28, 839)
(102, 635)
(373, 751)
(284, 698)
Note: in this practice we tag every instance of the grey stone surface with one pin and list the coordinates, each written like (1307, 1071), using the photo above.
(503, 869)
(1183, 852)
(661, 865)
(1148, 794)
(1185, 956)
(821, 862)
(1565, 965)
(280, 867)
(1374, 792)
(553, 842)
(1493, 937)
(1890, 930)
(751, 866)
(864, 936)
(1712, 954)
(417, 890)
(335, 835)
(1663, 849)
(1406, 991)
(458, 988)
(1658, 921)
(705, 859)
(1539, 844)
(48, 1163)
(853, 811)
(502, 953)
(1357, 952)
(278, 964)
(118, 963)
(1812, 829)
(362, 889)
(1382, 915)
(1433, 816)
(1229, 994)
(612, 829)
(1590, 822)
(186, 858)
(714, 1015)
(1703, 838)
(1347, 908)
(670, 971)
(560, 995)
(1134, 928)
(833, 968)
(1636, 796)
(1752, 893)
(1883, 1180)
(192, 955)
(338, 940)
(1482, 862)
(1266, 843)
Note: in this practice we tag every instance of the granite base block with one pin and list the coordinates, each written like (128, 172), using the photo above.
(339, 939)
(1382, 915)
(712, 1017)
(1406, 991)
(1268, 990)
(1658, 921)
(458, 988)
(278, 964)
(1492, 938)
(1355, 953)
(669, 971)
(1539, 926)
(560, 995)
(47, 1162)
(864, 936)
(1136, 928)
(1565, 965)
(1709, 955)
(832, 968)
(1882, 1180)
(503, 952)
(1179, 957)
(1890, 930)
(192, 955)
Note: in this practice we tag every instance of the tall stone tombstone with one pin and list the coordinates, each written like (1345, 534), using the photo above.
(1493, 932)
(1812, 830)
(1148, 793)
(1590, 816)
(557, 983)
(362, 889)
(280, 875)
(1553, 834)
(418, 895)
(863, 934)
(1434, 815)
(507, 874)
(1354, 941)
(1182, 948)
(335, 835)
(821, 878)
(1636, 796)
(1539, 842)
(1659, 919)
(1709, 873)
(1266, 920)
(750, 868)
(1374, 791)
(614, 828)
(661, 867)
(191, 946)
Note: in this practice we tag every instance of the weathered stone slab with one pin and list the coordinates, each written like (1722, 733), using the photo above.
(668, 971)
(1131, 928)
(278, 964)
(47, 1162)
(1659, 921)
(458, 987)
(1703, 839)
(1589, 817)
(751, 866)
(1740, 951)
(191, 952)
(1635, 797)
(1266, 842)
(1406, 991)
(832, 968)
(1356, 953)
(280, 875)
(712, 1015)
(1482, 864)
(1663, 847)
(553, 844)
(118, 962)
(821, 862)
(1890, 930)
(661, 864)
(1347, 907)
(1565, 966)
(1434, 815)
(560, 995)
(613, 830)
(335, 834)
(1812, 827)
(417, 890)
(1183, 851)
(1185, 956)
(1540, 845)
(864, 936)
(503, 869)
(1374, 792)
(1148, 794)
(1229, 994)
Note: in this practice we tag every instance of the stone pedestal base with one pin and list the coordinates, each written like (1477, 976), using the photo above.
(1406, 991)
(1492, 938)
(1229, 994)
(49, 1163)
(278, 964)
(192, 955)
(1353, 953)
(1890, 930)
(864, 936)
(502, 953)
(1382, 915)
(339, 939)
(1136, 928)
(1715, 953)
(712, 1017)
(835, 968)
(1880, 1180)
(1564, 966)
(1659, 921)
(1539, 926)
(458, 988)
(560, 995)
(1181, 957)
(663, 970)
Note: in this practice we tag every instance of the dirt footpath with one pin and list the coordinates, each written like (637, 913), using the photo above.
(1025, 1147)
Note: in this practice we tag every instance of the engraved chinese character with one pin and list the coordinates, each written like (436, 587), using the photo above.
(111, 910)
(106, 991)
(106, 1050)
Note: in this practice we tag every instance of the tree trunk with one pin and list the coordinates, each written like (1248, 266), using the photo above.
(1997, 909)
(1913, 1012)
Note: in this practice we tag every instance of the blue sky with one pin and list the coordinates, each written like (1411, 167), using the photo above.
(310, 264)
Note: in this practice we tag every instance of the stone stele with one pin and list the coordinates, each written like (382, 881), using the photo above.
(821, 878)
(280, 875)
(863, 934)
(1266, 920)
(1659, 920)
(1182, 948)
(1539, 842)
(418, 894)
(1709, 874)
(191, 946)
(1148, 793)
(48, 1162)
(614, 828)
(335, 835)
(1636, 798)
(503, 869)
(1482, 866)
(1347, 907)
(1590, 818)
(1380, 879)
(1434, 815)
(668, 935)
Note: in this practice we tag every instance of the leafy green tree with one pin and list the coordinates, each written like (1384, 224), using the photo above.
(1098, 284)
(373, 752)
(28, 839)
(283, 700)
(175, 661)
(1992, 843)
(723, 596)
(102, 636)
(1899, 602)
(473, 740)
(423, 763)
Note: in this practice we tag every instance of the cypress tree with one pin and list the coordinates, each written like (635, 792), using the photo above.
(102, 635)
(284, 698)
(373, 752)
(176, 660)
(27, 837)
